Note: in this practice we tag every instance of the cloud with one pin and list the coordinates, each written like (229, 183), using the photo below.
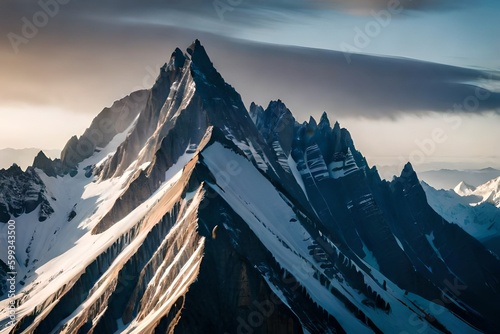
(81, 64)
(365, 6)
(250, 11)
(287, 5)
(369, 86)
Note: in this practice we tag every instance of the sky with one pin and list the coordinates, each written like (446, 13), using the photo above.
(412, 80)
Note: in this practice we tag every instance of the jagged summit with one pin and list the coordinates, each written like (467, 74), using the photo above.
(196, 47)
(312, 123)
(188, 94)
(202, 65)
(13, 169)
(275, 123)
(44, 163)
(407, 169)
(177, 58)
(324, 121)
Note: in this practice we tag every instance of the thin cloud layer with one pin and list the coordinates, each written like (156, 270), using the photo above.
(13, 10)
(365, 6)
(368, 86)
(82, 64)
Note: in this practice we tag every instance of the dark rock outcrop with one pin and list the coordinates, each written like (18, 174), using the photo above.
(22, 192)
(47, 165)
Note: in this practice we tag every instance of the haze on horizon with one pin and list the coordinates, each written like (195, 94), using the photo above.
(89, 54)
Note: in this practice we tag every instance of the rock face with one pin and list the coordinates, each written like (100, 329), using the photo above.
(275, 124)
(201, 217)
(44, 163)
(22, 193)
(389, 223)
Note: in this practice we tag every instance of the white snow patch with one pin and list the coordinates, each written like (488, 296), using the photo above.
(430, 238)
(370, 258)
(399, 243)
(296, 174)
(178, 166)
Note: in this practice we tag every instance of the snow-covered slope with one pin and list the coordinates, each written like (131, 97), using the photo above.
(464, 189)
(471, 208)
(196, 216)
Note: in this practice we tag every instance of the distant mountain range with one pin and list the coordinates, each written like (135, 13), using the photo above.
(475, 209)
(447, 178)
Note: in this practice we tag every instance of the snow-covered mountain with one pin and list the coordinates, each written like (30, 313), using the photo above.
(488, 192)
(180, 211)
(449, 178)
(475, 209)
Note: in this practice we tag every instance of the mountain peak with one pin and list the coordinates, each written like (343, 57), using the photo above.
(256, 111)
(276, 122)
(464, 189)
(408, 171)
(202, 67)
(278, 108)
(276, 104)
(324, 121)
(178, 58)
(198, 53)
(41, 155)
(14, 169)
(194, 46)
(312, 122)
(44, 163)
